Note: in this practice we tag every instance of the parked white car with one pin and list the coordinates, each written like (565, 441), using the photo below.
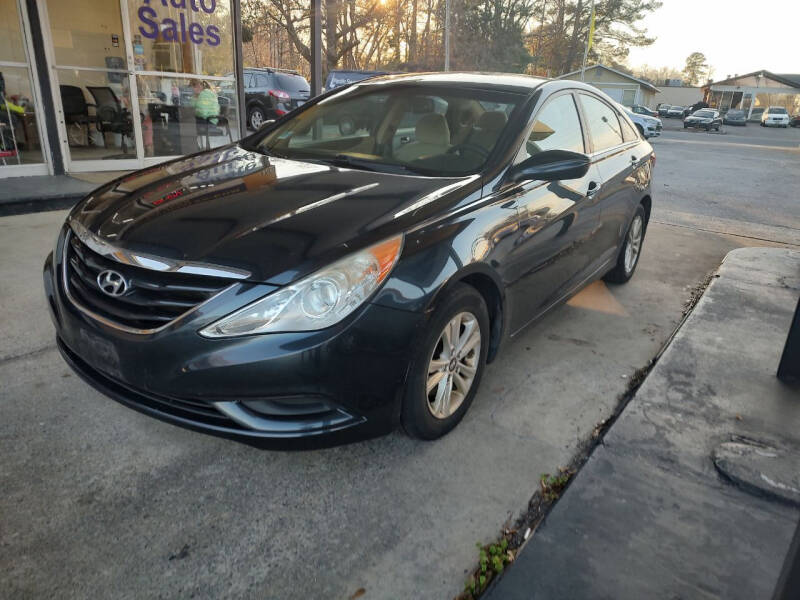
(648, 127)
(776, 116)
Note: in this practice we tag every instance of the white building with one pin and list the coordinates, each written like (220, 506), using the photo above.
(756, 90)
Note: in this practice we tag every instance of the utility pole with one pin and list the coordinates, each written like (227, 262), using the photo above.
(446, 35)
(588, 41)
(316, 47)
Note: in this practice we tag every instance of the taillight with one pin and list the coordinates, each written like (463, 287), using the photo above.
(280, 112)
(279, 94)
(652, 160)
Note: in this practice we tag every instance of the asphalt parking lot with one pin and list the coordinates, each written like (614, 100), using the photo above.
(101, 501)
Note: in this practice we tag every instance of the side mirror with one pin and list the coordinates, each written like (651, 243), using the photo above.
(267, 123)
(551, 165)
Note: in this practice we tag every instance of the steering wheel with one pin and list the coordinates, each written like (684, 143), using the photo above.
(461, 149)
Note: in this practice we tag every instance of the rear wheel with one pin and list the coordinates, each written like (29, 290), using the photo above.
(447, 370)
(631, 249)
(256, 118)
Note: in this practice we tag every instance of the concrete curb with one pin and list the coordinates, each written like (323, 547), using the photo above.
(649, 515)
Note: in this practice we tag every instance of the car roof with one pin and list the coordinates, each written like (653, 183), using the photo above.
(498, 80)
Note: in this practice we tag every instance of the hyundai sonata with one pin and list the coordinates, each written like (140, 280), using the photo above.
(356, 264)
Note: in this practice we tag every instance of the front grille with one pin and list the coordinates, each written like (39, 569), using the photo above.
(153, 298)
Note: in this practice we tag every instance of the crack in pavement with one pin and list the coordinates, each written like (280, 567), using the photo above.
(24, 355)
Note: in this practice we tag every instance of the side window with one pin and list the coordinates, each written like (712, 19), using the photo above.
(603, 124)
(628, 132)
(557, 127)
(248, 81)
(262, 81)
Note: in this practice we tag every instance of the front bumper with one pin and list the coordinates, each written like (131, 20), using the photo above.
(309, 389)
(776, 122)
(652, 131)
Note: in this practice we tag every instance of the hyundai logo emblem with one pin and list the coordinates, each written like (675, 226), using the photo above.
(112, 283)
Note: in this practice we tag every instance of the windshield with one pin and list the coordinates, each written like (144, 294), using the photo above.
(417, 129)
(735, 113)
(704, 113)
(777, 111)
(677, 108)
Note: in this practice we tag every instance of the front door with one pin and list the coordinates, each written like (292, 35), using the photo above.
(558, 219)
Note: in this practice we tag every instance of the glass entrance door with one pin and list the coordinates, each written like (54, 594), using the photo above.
(93, 85)
(140, 81)
(21, 144)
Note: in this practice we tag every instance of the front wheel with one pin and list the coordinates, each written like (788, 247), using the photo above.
(631, 249)
(447, 370)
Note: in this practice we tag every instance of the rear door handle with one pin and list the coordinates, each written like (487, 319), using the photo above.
(593, 187)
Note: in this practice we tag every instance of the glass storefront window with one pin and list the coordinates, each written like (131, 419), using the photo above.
(20, 143)
(12, 44)
(182, 36)
(181, 115)
(87, 33)
(97, 114)
(19, 130)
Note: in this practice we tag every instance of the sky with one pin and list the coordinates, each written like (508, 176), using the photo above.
(736, 36)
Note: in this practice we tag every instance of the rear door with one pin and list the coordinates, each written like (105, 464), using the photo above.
(558, 219)
(616, 154)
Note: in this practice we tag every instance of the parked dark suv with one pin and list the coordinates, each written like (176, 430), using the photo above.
(270, 93)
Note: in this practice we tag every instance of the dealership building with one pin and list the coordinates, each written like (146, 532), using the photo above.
(755, 92)
(111, 85)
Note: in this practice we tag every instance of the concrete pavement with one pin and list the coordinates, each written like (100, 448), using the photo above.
(650, 515)
(102, 501)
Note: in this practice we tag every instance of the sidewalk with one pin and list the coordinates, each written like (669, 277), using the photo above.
(650, 515)
(20, 195)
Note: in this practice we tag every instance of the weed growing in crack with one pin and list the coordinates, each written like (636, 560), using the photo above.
(492, 559)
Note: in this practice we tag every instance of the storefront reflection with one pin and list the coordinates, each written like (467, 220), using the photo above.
(182, 116)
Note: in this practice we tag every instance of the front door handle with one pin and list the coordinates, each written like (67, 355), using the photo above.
(593, 187)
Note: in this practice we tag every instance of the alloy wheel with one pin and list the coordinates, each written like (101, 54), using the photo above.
(256, 119)
(634, 245)
(453, 365)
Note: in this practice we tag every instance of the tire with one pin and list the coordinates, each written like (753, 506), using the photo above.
(417, 414)
(624, 269)
(256, 117)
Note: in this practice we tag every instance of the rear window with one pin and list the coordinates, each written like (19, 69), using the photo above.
(291, 83)
(777, 111)
(603, 123)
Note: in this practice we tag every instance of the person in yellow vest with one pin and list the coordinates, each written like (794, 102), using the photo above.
(205, 102)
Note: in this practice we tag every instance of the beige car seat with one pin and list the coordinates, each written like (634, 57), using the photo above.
(488, 129)
(432, 137)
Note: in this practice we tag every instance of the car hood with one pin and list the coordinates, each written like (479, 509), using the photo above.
(274, 219)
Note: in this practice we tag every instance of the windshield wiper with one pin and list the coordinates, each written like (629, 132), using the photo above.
(347, 160)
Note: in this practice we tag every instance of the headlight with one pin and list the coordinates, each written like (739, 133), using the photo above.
(318, 301)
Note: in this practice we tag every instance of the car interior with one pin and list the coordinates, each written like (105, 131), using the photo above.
(424, 131)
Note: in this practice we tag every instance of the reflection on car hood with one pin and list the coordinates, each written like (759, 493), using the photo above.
(275, 218)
